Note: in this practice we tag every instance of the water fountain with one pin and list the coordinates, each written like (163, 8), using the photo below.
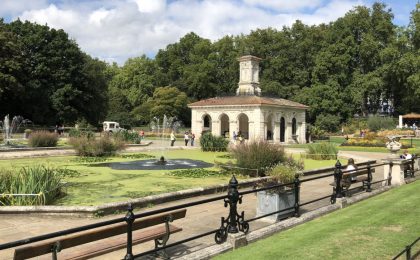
(168, 125)
(163, 129)
(10, 127)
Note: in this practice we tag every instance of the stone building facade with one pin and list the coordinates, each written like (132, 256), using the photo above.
(255, 117)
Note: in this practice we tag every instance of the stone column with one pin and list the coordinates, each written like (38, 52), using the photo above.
(233, 127)
(276, 132)
(397, 172)
(400, 121)
(303, 133)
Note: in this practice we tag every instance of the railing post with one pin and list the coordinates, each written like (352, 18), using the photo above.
(408, 252)
(390, 173)
(129, 218)
(297, 191)
(369, 180)
(338, 174)
(412, 165)
(233, 198)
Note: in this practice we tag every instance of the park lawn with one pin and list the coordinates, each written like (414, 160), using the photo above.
(96, 185)
(377, 228)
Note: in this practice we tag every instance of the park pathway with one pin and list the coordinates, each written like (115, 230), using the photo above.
(199, 218)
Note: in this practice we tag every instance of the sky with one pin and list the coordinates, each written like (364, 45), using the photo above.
(115, 30)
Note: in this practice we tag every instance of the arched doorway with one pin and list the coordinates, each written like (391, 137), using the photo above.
(282, 130)
(243, 125)
(224, 125)
(294, 126)
(206, 123)
(269, 127)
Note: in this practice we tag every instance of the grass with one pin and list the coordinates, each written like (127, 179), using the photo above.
(96, 185)
(377, 228)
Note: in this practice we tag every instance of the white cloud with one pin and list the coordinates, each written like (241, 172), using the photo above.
(14, 7)
(117, 30)
(285, 5)
(150, 6)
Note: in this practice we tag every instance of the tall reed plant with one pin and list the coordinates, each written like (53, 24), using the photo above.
(258, 155)
(43, 139)
(104, 146)
(35, 185)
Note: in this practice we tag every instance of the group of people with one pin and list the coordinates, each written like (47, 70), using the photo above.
(238, 137)
(189, 137)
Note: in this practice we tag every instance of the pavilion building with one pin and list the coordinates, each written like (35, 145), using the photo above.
(248, 113)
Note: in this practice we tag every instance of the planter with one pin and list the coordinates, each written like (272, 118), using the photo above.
(268, 202)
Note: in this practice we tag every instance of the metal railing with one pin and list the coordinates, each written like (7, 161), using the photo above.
(234, 222)
(407, 251)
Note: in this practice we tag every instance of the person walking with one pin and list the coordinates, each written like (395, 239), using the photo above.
(192, 139)
(186, 138)
(173, 139)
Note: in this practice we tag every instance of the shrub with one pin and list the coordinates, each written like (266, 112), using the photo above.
(286, 172)
(128, 136)
(258, 155)
(328, 123)
(43, 139)
(322, 151)
(376, 123)
(103, 146)
(43, 181)
(81, 133)
(210, 142)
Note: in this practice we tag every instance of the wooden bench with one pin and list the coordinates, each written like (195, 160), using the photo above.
(111, 238)
(361, 176)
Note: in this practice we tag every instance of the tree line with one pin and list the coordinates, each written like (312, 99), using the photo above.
(338, 69)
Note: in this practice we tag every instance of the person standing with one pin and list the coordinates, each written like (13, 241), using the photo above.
(173, 139)
(142, 134)
(192, 139)
(186, 138)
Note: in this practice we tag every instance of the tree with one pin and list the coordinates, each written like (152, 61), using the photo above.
(168, 101)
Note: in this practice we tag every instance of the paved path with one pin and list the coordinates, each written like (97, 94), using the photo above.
(199, 219)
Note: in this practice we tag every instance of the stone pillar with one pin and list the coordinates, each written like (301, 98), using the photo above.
(276, 132)
(397, 172)
(303, 133)
(215, 126)
(233, 127)
(400, 121)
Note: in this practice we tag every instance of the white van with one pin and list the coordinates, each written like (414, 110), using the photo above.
(111, 127)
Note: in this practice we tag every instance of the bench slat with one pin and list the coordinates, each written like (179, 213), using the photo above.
(84, 237)
(116, 243)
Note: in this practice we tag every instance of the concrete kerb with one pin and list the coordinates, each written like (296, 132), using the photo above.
(110, 208)
(240, 239)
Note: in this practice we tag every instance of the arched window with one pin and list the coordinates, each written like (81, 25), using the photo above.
(294, 126)
(282, 130)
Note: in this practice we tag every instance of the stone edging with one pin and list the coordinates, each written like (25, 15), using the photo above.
(240, 239)
(110, 208)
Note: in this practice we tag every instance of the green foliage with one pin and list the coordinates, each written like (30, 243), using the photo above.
(43, 139)
(376, 123)
(322, 151)
(197, 173)
(168, 101)
(209, 142)
(137, 156)
(104, 146)
(126, 136)
(329, 123)
(75, 132)
(86, 159)
(42, 181)
(287, 171)
(48, 78)
(258, 155)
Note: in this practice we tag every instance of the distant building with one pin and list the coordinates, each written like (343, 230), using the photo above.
(249, 114)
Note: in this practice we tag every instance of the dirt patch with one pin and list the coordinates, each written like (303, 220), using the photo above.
(393, 228)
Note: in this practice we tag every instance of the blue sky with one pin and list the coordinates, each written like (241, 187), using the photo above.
(114, 30)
